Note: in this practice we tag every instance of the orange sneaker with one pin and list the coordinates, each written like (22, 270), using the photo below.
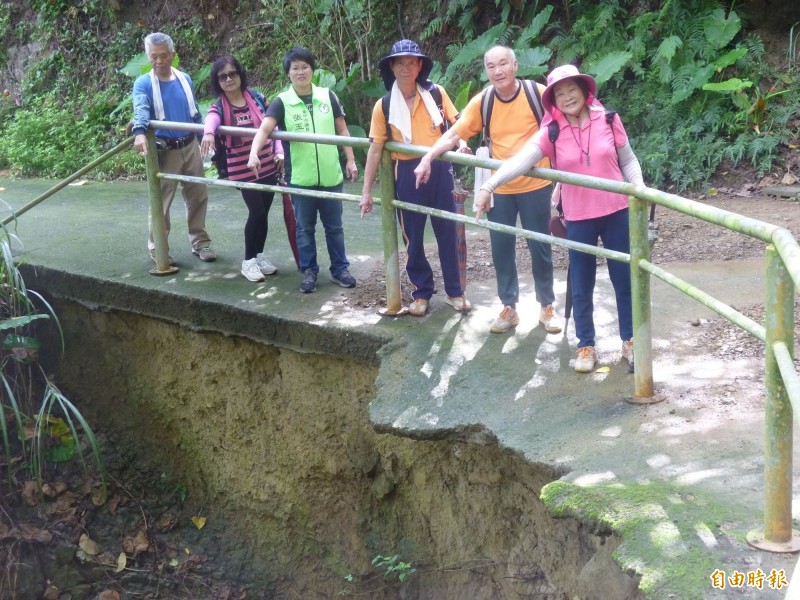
(548, 318)
(585, 359)
(507, 319)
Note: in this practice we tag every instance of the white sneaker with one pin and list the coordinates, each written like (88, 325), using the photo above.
(266, 267)
(251, 271)
(548, 318)
(585, 359)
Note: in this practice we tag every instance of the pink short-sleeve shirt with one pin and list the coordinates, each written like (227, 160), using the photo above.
(588, 150)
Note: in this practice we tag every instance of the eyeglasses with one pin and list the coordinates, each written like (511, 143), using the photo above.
(228, 75)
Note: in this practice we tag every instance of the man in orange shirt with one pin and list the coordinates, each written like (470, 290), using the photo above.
(512, 123)
(417, 111)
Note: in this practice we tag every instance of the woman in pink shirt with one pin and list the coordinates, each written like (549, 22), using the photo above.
(587, 144)
(239, 106)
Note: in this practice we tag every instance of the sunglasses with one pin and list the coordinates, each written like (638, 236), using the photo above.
(229, 75)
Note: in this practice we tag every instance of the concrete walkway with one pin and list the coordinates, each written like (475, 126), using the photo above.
(681, 480)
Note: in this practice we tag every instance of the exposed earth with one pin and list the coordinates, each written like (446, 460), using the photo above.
(143, 512)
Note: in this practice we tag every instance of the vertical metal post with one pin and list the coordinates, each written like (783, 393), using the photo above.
(157, 220)
(778, 535)
(391, 259)
(640, 296)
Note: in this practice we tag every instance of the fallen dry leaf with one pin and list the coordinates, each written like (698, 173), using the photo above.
(602, 370)
(51, 593)
(191, 563)
(99, 496)
(199, 521)
(108, 595)
(789, 179)
(167, 522)
(29, 494)
(88, 545)
(113, 504)
(63, 504)
(122, 561)
(136, 545)
(54, 489)
(29, 533)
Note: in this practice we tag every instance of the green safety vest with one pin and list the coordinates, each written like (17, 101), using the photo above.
(312, 164)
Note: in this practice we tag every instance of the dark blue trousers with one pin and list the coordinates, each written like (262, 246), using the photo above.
(614, 230)
(436, 193)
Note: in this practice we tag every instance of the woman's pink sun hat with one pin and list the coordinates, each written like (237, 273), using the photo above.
(558, 75)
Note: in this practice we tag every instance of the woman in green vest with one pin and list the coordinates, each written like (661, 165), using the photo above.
(307, 108)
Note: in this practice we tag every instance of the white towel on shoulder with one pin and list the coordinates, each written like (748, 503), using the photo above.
(158, 103)
(400, 115)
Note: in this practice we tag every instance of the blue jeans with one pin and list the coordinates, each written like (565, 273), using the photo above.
(614, 230)
(330, 213)
(533, 209)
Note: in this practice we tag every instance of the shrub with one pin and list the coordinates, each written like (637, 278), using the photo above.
(55, 141)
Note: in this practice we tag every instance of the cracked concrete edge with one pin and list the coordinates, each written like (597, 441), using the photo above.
(193, 313)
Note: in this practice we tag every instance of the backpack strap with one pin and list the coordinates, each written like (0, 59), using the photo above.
(436, 94)
(260, 100)
(487, 105)
(534, 99)
(385, 105)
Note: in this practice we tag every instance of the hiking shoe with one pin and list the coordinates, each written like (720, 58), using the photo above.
(461, 304)
(266, 267)
(585, 359)
(548, 318)
(344, 279)
(507, 319)
(418, 308)
(309, 283)
(251, 271)
(206, 254)
(627, 351)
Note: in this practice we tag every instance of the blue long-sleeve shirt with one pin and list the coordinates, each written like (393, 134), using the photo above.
(176, 107)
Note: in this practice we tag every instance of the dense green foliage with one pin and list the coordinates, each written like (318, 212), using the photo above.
(695, 89)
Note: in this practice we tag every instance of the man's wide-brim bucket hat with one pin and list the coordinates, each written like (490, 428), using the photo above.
(560, 74)
(404, 48)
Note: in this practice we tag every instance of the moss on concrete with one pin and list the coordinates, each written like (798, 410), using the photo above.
(667, 531)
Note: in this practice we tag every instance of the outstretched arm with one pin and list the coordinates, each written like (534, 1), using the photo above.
(267, 125)
(370, 170)
(448, 141)
(629, 165)
(517, 165)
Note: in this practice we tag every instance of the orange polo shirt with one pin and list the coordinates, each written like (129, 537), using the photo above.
(512, 125)
(423, 131)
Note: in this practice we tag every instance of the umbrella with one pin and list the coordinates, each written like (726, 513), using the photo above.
(459, 196)
(289, 220)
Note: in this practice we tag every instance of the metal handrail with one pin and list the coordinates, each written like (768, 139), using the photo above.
(783, 279)
(783, 260)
